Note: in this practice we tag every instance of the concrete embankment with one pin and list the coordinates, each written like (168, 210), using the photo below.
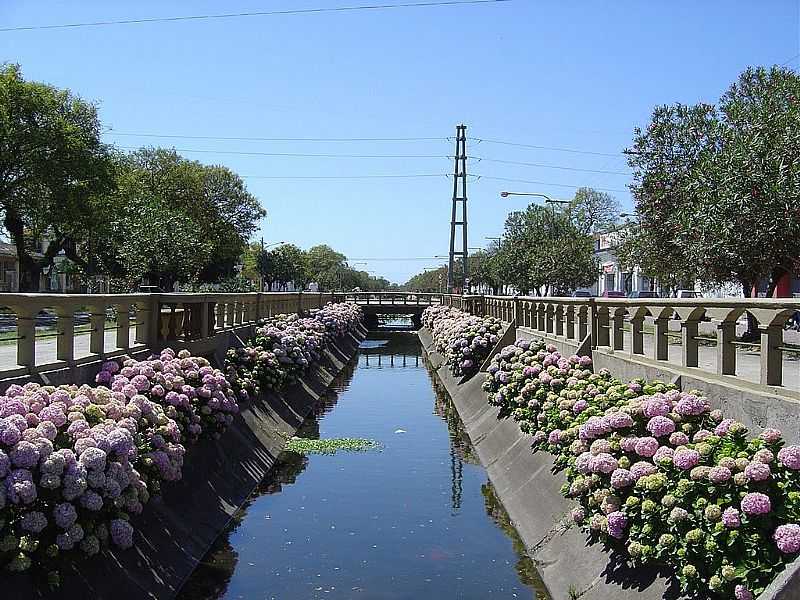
(569, 566)
(175, 531)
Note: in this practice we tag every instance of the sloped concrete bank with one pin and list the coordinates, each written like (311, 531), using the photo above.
(175, 531)
(569, 566)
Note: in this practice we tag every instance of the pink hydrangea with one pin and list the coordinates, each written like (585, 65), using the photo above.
(731, 518)
(757, 471)
(787, 538)
(621, 478)
(691, 405)
(646, 446)
(685, 459)
(617, 523)
(756, 503)
(719, 475)
(619, 420)
(789, 457)
(678, 439)
(628, 444)
(771, 435)
(741, 592)
(603, 463)
(656, 406)
(641, 469)
(663, 455)
(660, 426)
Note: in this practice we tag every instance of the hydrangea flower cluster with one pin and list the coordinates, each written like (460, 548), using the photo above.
(71, 464)
(654, 471)
(198, 397)
(463, 339)
(284, 346)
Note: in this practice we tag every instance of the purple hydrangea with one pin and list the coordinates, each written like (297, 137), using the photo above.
(789, 457)
(121, 533)
(621, 478)
(93, 458)
(656, 406)
(722, 428)
(771, 436)
(678, 439)
(660, 426)
(719, 475)
(685, 459)
(757, 471)
(756, 503)
(619, 419)
(25, 455)
(33, 521)
(617, 522)
(663, 455)
(741, 592)
(787, 538)
(603, 463)
(65, 515)
(691, 405)
(646, 446)
(731, 518)
(642, 469)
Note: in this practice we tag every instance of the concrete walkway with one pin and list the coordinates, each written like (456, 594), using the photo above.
(46, 348)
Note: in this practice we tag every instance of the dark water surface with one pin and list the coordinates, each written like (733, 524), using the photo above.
(417, 520)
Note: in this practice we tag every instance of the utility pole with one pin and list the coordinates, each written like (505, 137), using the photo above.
(459, 196)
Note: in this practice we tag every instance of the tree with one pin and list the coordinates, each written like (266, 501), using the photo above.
(431, 280)
(718, 188)
(545, 253)
(326, 267)
(54, 172)
(593, 211)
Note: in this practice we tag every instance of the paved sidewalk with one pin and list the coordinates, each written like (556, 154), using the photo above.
(46, 348)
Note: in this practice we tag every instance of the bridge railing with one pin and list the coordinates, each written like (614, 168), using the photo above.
(658, 329)
(390, 298)
(114, 324)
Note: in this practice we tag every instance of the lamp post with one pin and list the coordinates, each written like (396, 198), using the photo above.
(547, 198)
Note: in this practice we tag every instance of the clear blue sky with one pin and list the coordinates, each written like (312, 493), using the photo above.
(570, 74)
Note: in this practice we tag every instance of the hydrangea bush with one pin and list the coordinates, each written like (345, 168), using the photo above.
(656, 473)
(284, 346)
(462, 339)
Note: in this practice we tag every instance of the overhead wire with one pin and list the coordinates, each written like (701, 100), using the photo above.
(265, 13)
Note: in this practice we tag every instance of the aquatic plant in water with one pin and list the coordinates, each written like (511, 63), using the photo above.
(331, 446)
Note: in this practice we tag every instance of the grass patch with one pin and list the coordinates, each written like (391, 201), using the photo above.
(331, 446)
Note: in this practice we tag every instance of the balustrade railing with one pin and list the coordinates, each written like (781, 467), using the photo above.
(390, 298)
(119, 323)
(641, 327)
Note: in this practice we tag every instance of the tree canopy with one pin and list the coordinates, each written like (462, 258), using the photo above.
(717, 188)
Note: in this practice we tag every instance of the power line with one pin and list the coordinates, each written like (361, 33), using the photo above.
(553, 148)
(529, 164)
(546, 183)
(268, 139)
(411, 176)
(297, 154)
(270, 13)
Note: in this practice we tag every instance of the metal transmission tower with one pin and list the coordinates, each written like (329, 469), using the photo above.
(459, 196)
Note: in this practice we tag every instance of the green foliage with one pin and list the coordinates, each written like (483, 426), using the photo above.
(331, 446)
(718, 188)
(592, 211)
(54, 171)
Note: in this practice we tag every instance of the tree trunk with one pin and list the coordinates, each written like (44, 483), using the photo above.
(29, 271)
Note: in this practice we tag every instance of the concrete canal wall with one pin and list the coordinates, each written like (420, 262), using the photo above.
(175, 531)
(569, 566)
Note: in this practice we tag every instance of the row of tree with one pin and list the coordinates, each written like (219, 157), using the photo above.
(717, 196)
(149, 215)
(543, 250)
(289, 265)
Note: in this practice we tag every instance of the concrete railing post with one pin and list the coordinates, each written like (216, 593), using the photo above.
(637, 334)
(771, 355)
(726, 350)
(549, 316)
(559, 316)
(517, 310)
(690, 344)
(618, 329)
(123, 325)
(584, 314)
(97, 329)
(570, 322)
(660, 339)
(26, 332)
(601, 332)
(65, 328)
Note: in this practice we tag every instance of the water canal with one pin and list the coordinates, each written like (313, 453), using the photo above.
(417, 519)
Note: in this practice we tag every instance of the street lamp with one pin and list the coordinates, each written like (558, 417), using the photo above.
(627, 214)
(263, 247)
(547, 198)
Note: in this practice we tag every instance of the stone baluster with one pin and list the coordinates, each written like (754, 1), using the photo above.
(660, 337)
(123, 325)
(637, 331)
(26, 334)
(570, 321)
(97, 329)
(618, 328)
(65, 330)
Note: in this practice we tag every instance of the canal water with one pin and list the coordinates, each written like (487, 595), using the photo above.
(416, 519)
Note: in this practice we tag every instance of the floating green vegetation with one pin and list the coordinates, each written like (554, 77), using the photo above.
(331, 446)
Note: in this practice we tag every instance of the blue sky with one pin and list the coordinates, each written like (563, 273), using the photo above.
(562, 74)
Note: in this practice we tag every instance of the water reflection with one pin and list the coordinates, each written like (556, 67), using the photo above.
(409, 522)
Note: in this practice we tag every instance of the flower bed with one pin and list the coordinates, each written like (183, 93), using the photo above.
(463, 339)
(284, 346)
(77, 461)
(656, 473)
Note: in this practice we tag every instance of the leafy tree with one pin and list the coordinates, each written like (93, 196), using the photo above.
(432, 280)
(544, 252)
(326, 267)
(284, 264)
(718, 188)
(593, 211)
(54, 171)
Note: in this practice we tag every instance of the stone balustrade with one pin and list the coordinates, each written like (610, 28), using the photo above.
(156, 320)
(621, 325)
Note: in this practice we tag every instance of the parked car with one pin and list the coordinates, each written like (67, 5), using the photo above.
(643, 294)
(581, 294)
(613, 294)
(688, 294)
